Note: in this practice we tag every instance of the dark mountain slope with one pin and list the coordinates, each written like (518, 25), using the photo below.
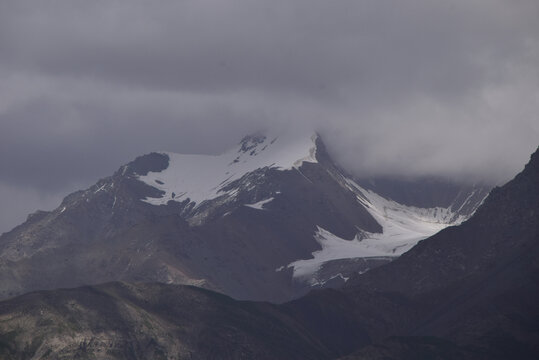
(504, 228)
(470, 292)
(149, 321)
(143, 321)
(237, 223)
(110, 232)
(477, 284)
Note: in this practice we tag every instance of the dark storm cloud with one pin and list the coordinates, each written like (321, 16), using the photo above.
(407, 87)
(298, 46)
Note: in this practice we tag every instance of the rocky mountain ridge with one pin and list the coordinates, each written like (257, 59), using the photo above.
(469, 292)
(267, 220)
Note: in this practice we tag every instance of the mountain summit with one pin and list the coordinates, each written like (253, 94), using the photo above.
(469, 292)
(266, 220)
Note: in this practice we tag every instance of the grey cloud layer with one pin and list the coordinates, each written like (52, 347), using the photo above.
(396, 87)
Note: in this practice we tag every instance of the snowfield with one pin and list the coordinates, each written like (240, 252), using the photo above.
(403, 227)
(201, 177)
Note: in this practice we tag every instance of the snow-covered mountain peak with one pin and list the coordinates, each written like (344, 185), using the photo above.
(267, 219)
(283, 151)
(203, 177)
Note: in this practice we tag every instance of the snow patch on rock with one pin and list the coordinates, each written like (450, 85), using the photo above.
(403, 227)
(202, 177)
(260, 205)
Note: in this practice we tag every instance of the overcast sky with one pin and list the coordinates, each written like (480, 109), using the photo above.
(405, 87)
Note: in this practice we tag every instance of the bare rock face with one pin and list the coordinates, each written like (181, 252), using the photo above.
(269, 220)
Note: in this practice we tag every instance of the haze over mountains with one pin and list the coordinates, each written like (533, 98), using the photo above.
(469, 292)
